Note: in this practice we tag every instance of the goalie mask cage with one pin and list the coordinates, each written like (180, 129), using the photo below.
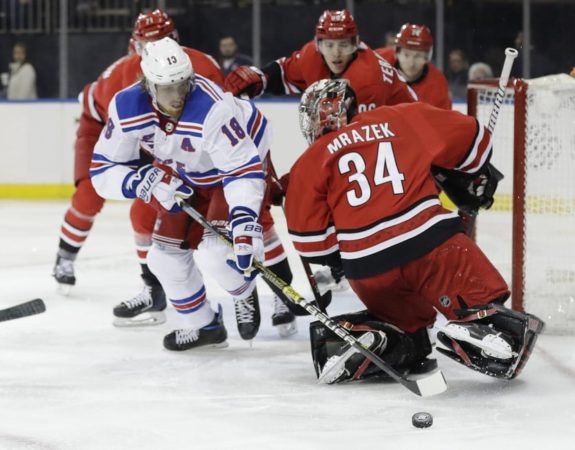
(534, 147)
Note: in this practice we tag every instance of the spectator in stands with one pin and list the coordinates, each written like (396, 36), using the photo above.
(389, 40)
(22, 76)
(479, 71)
(230, 58)
(457, 74)
(539, 65)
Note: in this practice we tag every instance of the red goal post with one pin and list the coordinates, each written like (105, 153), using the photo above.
(534, 147)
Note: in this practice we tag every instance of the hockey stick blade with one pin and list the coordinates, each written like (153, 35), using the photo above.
(29, 308)
(426, 385)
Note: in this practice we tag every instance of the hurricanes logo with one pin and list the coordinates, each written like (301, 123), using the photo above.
(416, 32)
(445, 301)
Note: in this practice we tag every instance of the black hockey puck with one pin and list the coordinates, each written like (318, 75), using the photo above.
(422, 420)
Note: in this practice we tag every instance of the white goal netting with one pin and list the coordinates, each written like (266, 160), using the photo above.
(542, 136)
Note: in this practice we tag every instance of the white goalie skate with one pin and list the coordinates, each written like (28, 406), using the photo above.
(339, 367)
(489, 341)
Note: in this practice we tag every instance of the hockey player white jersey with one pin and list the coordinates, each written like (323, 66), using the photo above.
(217, 139)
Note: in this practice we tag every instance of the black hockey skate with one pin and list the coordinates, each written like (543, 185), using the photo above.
(63, 271)
(212, 335)
(144, 309)
(283, 319)
(248, 316)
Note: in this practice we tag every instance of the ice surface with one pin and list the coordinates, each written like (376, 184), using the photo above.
(70, 380)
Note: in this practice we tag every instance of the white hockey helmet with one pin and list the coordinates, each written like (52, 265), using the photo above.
(164, 62)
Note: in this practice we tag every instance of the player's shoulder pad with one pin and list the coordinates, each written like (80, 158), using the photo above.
(132, 104)
(205, 96)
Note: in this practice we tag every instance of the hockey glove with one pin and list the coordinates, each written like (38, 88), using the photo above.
(278, 189)
(246, 80)
(155, 186)
(248, 241)
(469, 193)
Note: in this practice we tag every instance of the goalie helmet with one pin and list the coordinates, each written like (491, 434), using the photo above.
(151, 26)
(336, 24)
(164, 62)
(415, 37)
(326, 105)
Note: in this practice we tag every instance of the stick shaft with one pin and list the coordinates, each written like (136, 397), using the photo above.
(294, 296)
(510, 55)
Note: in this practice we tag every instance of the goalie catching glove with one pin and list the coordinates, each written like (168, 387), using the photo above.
(469, 192)
(156, 187)
(246, 80)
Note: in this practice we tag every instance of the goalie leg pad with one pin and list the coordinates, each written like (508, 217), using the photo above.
(406, 352)
(491, 339)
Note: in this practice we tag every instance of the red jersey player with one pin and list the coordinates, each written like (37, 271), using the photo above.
(363, 194)
(86, 203)
(412, 57)
(336, 52)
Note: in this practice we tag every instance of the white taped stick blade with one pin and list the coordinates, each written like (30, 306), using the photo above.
(431, 384)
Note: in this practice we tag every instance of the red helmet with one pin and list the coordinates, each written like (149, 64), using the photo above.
(151, 26)
(414, 37)
(336, 25)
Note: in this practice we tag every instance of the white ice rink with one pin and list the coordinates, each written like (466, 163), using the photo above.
(69, 380)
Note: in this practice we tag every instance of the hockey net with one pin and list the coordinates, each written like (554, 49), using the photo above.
(534, 210)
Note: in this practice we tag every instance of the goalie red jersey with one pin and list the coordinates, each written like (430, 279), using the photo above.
(373, 79)
(431, 87)
(366, 191)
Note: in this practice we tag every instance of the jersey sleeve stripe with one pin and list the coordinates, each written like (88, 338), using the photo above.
(91, 102)
(209, 90)
(137, 119)
(313, 236)
(479, 152)
(260, 133)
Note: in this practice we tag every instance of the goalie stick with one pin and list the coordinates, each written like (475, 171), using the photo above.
(430, 384)
(510, 55)
(25, 309)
